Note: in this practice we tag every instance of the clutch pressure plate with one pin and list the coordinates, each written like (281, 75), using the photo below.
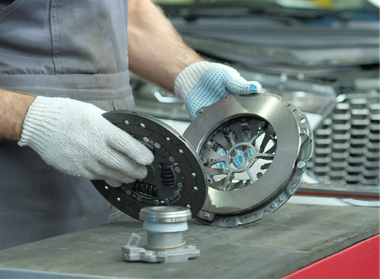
(176, 176)
(254, 150)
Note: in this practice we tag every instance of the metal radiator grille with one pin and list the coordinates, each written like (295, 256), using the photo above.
(347, 144)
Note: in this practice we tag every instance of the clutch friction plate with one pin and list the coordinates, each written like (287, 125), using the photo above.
(254, 150)
(176, 177)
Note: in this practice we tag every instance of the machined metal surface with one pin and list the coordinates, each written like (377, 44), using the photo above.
(254, 150)
(165, 243)
(170, 214)
(176, 177)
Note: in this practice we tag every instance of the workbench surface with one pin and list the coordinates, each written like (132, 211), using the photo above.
(279, 244)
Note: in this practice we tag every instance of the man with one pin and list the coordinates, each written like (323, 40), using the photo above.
(72, 59)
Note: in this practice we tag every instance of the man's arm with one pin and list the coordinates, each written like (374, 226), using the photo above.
(156, 51)
(13, 108)
(72, 136)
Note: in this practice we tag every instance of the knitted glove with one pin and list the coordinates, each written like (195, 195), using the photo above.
(204, 83)
(76, 139)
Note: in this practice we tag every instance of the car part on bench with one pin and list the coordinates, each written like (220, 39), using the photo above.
(176, 176)
(254, 149)
(165, 241)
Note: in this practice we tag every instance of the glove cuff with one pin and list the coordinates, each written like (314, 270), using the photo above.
(186, 79)
(45, 119)
(37, 124)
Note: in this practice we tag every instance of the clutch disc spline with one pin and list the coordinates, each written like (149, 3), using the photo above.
(176, 177)
(254, 150)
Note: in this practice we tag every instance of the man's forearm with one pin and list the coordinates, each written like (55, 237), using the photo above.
(156, 51)
(13, 108)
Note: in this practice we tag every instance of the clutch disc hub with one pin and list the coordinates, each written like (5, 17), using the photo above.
(254, 150)
(176, 177)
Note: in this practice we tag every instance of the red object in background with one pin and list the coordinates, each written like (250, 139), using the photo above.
(361, 260)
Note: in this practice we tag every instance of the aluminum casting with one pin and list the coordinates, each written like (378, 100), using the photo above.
(166, 244)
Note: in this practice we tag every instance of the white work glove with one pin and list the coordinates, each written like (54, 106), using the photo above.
(75, 138)
(203, 83)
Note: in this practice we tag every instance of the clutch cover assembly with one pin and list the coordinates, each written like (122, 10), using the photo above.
(176, 177)
(254, 150)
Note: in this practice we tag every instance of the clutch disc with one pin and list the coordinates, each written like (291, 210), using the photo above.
(176, 177)
(254, 150)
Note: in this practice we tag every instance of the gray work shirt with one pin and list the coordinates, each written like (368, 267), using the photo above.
(65, 48)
